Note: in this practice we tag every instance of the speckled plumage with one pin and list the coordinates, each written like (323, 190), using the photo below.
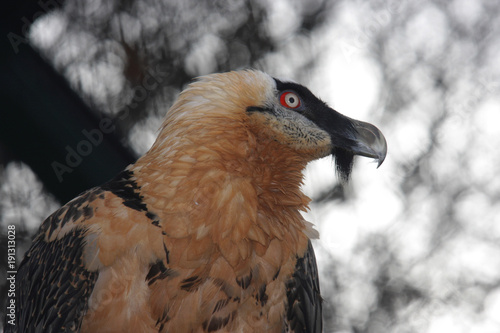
(204, 232)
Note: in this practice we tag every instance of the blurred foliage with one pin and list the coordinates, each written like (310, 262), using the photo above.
(432, 267)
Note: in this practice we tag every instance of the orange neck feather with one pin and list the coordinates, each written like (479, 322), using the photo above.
(218, 178)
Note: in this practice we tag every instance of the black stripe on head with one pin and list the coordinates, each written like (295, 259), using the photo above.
(338, 126)
(311, 106)
(256, 109)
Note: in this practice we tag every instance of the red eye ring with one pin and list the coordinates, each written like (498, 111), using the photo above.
(290, 100)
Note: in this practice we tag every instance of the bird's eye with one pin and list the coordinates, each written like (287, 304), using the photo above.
(290, 100)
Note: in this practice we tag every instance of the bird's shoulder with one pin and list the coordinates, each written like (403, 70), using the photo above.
(77, 245)
(112, 217)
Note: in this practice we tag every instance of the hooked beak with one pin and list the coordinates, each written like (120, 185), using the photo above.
(352, 137)
(369, 141)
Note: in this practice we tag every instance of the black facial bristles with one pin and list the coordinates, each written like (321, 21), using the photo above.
(343, 162)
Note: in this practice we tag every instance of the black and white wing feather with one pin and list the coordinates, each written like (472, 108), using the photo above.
(304, 312)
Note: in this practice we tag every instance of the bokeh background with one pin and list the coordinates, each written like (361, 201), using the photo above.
(413, 246)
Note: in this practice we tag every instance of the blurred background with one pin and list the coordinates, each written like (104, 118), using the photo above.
(413, 246)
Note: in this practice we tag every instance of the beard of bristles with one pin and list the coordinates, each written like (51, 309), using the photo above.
(343, 164)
